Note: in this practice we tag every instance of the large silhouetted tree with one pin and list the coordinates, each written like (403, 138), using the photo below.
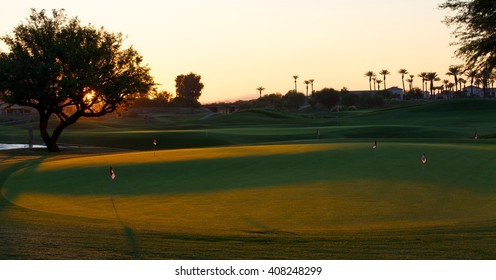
(475, 31)
(64, 69)
(188, 90)
(293, 100)
(327, 97)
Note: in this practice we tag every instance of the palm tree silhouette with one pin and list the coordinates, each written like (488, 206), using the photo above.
(432, 77)
(370, 74)
(446, 83)
(410, 81)
(384, 73)
(311, 83)
(491, 80)
(260, 89)
(307, 83)
(374, 78)
(423, 75)
(403, 72)
(295, 77)
(472, 75)
(455, 70)
(463, 82)
(451, 86)
(379, 82)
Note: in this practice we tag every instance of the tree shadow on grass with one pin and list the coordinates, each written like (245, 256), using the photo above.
(9, 165)
(6, 206)
(5, 173)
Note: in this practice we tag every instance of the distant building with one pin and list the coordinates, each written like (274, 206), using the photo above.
(395, 91)
(3, 106)
(479, 92)
(222, 108)
(360, 92)
(13, 109)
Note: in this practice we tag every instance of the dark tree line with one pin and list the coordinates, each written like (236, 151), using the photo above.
(475, 32)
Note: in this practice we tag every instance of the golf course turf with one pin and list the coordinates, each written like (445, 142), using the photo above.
(258, 185)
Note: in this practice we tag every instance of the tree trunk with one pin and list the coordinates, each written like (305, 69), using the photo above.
(51, 141)
(50, 144)
(55, 137)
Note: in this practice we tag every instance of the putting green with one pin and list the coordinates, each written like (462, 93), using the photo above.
(300, 188)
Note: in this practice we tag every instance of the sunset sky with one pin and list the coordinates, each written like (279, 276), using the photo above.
(239, 45)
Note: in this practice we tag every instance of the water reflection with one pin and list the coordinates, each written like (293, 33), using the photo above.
(18, 146)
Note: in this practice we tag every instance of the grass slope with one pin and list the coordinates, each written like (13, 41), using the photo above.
(293, 197)
(454, 120)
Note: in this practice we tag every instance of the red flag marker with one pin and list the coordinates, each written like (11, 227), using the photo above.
(423, 159)
(112, 173)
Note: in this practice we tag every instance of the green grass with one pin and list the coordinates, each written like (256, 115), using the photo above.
(455, 120)
(259, 185)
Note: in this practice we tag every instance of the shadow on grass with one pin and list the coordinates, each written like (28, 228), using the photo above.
(9, 166)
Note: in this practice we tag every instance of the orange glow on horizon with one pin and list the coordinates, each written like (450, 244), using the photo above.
(237, 45)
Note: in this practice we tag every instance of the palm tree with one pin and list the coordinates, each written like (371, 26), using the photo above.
(446, 82)
(311, 83)
(295, 77)
(379, 82)
(492, 79)
(384, 73)
(370, 74)
(423, 75)
(440, 89)
(410, 81)
(374, 78)
(432, 77)
(472, 75)
(455, 70)
(451, 85)
(478, 81)
(307, 83)
(462, 81)
(260, 89)
(403, 72)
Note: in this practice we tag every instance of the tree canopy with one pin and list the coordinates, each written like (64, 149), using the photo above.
(62, 68)
(293, 100)
(327, 97)
(188, 90)
(475, 30)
